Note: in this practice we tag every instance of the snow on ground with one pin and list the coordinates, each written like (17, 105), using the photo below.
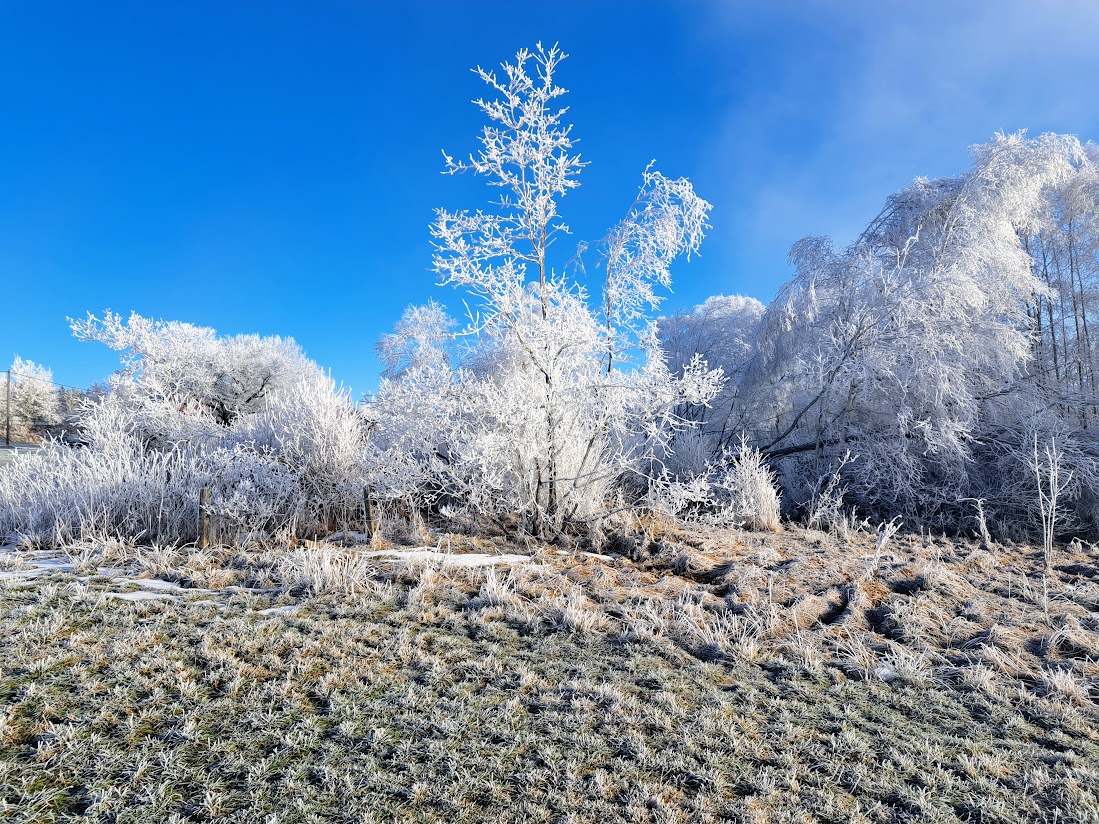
(143, 595)
(8, 453)
(465, 559)
(26, 566)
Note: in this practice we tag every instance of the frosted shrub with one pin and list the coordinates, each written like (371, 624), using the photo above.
(688, 498)
(474, 439)
(825, 510)
(62, 494)
(752, 488)
(253, 496)
(249, 419)
(315, 431)
(738, 491)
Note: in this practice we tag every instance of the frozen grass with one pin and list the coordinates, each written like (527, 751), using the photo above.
(722, 676)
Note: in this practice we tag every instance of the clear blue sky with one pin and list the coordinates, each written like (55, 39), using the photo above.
(272, 167)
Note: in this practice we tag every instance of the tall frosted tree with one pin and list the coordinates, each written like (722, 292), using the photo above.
(532, 418)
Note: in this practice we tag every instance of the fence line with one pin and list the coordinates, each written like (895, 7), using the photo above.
(7, 396)
(51, 383)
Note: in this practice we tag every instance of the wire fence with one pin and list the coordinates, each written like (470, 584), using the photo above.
(12, 381)
(53, 383)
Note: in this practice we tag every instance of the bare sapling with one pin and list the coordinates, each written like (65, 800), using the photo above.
(826, 505)
(1052, 482)
(982, 524)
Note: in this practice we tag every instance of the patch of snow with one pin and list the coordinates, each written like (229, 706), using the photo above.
(35, 564)
(111, 572)
(600, 557)
(142, 595)
(286, 610)
(467, 559)
(886, 672)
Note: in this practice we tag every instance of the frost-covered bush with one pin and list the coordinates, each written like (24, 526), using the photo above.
(497, 438)
(314, 431)
(752, 488)
(252, 421)
(115, 487)
(737, 490)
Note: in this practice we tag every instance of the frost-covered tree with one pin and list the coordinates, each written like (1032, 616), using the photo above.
(423, 341)
(193, 368)
(527, 153)
(1064, 244)
(913, 348)
(723, 331)
(532, 418)
(666, 220)
(34, 396)
(893, 347)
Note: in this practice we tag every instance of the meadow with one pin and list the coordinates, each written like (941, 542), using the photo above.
(680, 676)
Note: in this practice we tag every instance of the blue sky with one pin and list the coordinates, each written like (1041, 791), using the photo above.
(272, 167)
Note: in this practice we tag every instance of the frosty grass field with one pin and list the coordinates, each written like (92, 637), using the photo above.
(714, 676)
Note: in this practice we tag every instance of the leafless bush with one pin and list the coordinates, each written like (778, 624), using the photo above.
(826, 509)
(753, 487)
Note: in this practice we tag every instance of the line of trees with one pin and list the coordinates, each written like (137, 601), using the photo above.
(933, 371)
(36, 403)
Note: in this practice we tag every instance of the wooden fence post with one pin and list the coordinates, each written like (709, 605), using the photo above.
(204, 519)
(368, 512)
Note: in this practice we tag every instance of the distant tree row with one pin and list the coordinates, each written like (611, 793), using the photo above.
(37, 403)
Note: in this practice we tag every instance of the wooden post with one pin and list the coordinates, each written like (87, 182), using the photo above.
(368, 512)
(204, 519)
(7, 412)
